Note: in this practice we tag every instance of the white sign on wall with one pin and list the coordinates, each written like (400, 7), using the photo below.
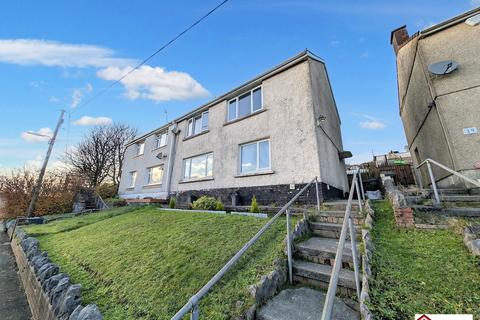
(471, 130)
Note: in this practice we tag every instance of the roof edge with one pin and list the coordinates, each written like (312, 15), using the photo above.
(450, 22)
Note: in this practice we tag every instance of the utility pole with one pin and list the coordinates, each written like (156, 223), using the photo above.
(38, 185)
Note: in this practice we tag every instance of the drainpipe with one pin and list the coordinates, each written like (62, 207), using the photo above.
(174, 131)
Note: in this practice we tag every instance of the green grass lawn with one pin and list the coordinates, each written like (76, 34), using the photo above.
(146, 263)
(421, 271)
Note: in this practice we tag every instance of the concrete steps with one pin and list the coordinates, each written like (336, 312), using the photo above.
(336, 216)
(303, 304)
(332, 230)
(318, 275)
(323, 250)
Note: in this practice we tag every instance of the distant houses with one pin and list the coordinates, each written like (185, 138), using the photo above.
(268, 137)
(438, 73)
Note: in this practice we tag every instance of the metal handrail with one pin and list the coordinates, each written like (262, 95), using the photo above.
(347, 223)
(192, 303)
(432, 177)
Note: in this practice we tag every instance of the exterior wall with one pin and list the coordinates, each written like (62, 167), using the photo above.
(285, 121)
(328, 134)
(437, 131)
(292, 100)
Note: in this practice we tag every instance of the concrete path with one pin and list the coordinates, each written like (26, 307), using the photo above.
(303, 304)
(13, 302)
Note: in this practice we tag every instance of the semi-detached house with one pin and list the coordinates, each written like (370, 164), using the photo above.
(268, 138)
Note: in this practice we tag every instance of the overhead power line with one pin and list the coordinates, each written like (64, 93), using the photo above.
(167, 44)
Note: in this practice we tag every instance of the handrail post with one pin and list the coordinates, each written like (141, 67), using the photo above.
(356, 266)
(418, 178)
(195, 315)
(359, 196)
(361, 183)
(318, 195)
(289, 248)
(434, 185)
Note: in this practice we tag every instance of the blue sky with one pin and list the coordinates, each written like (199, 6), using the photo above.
(58, 54)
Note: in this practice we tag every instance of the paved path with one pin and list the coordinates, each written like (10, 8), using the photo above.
(13, 303)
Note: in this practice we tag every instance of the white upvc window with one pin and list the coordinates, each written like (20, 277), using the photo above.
(140, 148)
(133, 179)
(198, 167)
(255, 156)
(197, 124)
(161, 140)
(154, 175)
(245, 104)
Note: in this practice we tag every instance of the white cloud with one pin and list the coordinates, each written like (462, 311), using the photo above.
(475, 3)
(91, 121)
(78, 94)
(34, 138)
(52, 53)
(372, 125)
(54, 99)
(155, 83)
(359, 158)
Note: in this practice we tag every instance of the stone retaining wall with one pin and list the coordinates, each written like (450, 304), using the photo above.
(50, 294)
(366, 263)
(472, 239)
(403, 213)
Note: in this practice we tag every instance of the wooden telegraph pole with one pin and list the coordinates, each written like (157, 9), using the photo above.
(38, 185)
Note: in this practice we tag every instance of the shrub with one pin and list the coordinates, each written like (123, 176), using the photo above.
(115, 202)
(254, 206)
(172, 203)
(207, 203)
(107, 190)
(219, 205)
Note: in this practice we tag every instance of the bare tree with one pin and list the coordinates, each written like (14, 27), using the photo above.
(100, 154)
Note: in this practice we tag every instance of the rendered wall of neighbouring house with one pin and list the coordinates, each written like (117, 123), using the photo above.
(436, 130)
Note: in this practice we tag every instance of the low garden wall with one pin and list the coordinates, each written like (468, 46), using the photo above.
(402, 211)
(366, 263)
(471, 238)
(50, 294)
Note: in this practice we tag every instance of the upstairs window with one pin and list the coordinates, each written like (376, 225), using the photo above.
(198, 167)
(140, 148)
(255, 156)
(133, 179)
(161, 140)
(198, 124)
(245, 104)
(155, 175)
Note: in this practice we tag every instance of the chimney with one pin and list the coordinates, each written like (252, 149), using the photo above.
(398, 37)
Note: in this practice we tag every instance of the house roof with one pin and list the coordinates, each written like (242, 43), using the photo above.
(450, 22)
(302, 56)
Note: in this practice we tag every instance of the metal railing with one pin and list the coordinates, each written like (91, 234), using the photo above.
(192, 304)
(347, 223)
(100, 204)
(432, 177)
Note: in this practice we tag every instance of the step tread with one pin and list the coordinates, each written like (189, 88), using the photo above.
(331, 226)
(338, 213)
(318, 245)
(323, 272)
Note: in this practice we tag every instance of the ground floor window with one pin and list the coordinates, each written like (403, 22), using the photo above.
(198, 167)
(133, 178)
(155, 175)
(255, 156)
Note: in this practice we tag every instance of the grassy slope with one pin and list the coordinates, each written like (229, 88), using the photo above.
(145, 264)
(419, 271)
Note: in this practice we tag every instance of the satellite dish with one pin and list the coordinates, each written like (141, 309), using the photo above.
(443, 67)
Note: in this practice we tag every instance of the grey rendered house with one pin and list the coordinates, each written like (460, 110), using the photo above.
(438, 71)
(268, 138)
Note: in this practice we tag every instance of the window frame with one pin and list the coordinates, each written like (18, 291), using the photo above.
(142, 148)
(257, 169)
(190, 132)
(189, 161)
(149, 175)
(237, 98)
(133, 179)
(158, 138)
